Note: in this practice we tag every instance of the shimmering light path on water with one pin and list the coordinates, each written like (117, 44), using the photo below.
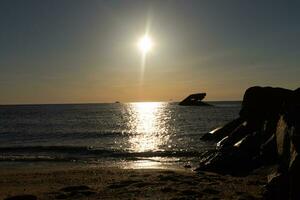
(148, 125)
(145, 133)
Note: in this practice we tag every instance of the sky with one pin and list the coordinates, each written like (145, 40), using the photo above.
(78, 51)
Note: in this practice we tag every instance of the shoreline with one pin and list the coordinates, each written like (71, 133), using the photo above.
(79, 181)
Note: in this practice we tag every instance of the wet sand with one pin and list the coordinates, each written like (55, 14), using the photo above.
(96, 182)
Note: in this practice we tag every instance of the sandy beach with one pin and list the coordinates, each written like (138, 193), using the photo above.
(72, 181)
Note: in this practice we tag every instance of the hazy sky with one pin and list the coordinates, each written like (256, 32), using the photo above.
(71, 51)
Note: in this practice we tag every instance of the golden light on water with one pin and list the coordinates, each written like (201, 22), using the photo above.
(148, 126)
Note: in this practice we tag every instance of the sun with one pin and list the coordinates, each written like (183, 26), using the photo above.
(145, 44)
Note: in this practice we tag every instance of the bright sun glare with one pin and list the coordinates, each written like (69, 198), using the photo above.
(145, 44)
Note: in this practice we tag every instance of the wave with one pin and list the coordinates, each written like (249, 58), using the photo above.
(76, 152)
(67, 133)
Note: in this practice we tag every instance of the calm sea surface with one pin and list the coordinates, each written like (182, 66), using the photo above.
(153, 131)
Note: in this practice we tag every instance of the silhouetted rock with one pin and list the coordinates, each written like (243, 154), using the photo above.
(194, 100)
(287, 177)
(221, 132)
(266, 132)
(260, 109)
(261, 103)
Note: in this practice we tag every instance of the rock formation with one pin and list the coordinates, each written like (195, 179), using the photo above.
(266, 132)
(194, 100)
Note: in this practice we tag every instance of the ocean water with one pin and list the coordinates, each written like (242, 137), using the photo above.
(142, 133)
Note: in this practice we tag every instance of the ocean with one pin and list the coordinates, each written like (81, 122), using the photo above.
(134, 135)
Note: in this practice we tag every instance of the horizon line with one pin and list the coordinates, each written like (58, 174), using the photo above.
(116, 102)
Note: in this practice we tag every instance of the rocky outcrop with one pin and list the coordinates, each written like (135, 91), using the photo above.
(221, 132)
(194, 100)
(266, 132)
(286, 180)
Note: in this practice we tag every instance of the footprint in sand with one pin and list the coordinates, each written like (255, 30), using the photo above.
(168, 190)
(74, 192)
(190, 194)
(167, 178)
(143, 184)
(244, 196)
(121, 184)
(211, 191)
(22, 197)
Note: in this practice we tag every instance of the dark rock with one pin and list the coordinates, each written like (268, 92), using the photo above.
(260, 103)
(294, 176)
(277, 187)
(236, 135)
(287, 140)
(293, 120)
(194, 100)
(213, 134)
(238, 160)
(221, 132)
(260, 112)
(236, 154)
(268, 151)
(267, 131)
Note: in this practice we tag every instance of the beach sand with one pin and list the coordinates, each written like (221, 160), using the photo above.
(66, 181)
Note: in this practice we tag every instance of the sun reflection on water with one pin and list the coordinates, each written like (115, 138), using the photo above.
(148, 126)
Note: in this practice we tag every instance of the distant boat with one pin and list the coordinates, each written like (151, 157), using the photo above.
(194, 100)
(117, 102)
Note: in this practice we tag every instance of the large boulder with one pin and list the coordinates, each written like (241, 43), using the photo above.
(261, 108)
(221, 132)
(287, 180)
(260, 103)
(267, 131)
(248, 141)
